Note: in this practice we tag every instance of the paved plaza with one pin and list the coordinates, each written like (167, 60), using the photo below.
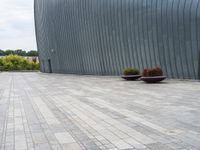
(70, 112)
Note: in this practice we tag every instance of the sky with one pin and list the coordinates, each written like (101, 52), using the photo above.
(17, 25)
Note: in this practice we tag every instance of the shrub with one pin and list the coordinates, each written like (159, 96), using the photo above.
(15, 62)
(152, 72)
(131, 71)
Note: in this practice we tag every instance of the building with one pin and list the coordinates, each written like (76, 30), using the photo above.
(102, 37)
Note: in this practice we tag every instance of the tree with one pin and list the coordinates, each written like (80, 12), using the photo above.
(32, 53)
(19, 52)
(8, 52)
(1, 52)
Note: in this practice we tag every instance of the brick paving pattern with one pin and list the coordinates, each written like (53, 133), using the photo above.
(70, 112)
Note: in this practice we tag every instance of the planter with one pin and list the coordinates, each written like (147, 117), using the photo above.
(154, 79)
(131, 77)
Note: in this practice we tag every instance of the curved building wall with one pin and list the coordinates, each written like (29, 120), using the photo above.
(104, 36)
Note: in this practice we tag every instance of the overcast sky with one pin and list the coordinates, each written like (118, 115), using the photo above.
(17, 24)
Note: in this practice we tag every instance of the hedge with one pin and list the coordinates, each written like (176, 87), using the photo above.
(15, 62)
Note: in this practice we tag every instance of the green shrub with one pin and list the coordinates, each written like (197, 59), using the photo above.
(1, 64)
(131, 71)
(15, 62)
(36, 66)
(152, 72)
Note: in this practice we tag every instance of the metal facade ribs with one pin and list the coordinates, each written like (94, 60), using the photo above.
(104, 36)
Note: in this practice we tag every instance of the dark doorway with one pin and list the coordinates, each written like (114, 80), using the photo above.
(43, 66)
(49, 62)
(199, 67)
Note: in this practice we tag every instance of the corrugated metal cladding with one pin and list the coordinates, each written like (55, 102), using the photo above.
(104, 36)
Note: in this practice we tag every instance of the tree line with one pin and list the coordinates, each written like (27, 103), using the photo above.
(18, 52)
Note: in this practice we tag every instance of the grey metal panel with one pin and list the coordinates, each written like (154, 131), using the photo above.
(104, 36)
(197, 61)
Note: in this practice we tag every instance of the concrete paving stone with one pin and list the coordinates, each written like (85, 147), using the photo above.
(82, 137)
(93, 148)
(30, 144)
(35, 128)
(71, 146)
(64, 138)
(9, 147)
(20, 146)
(109, 146)
(158, 146)
(9, 138)
(39, 138)
(42, 146)
(88, 143)
(135, 143)
(56, 147)
(102, 147)
(98, 143)
(121, 144)
(175, 145)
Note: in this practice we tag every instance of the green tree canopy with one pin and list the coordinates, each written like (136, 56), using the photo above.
(19, 52)
(32, 53)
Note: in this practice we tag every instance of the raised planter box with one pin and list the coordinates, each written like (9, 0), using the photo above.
(155, 79)
(131, 77)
